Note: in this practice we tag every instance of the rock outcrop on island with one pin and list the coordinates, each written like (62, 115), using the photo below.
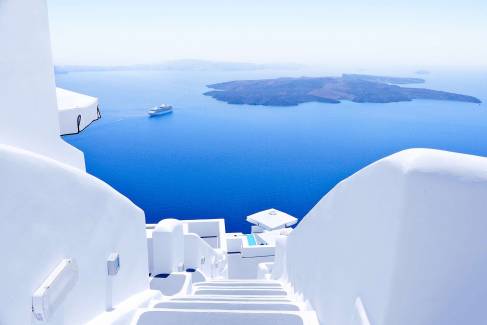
(352, 87)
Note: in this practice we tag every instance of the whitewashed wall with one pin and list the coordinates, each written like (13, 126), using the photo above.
(50, 211)
(167, 247)
(404, 236)
(28, 108)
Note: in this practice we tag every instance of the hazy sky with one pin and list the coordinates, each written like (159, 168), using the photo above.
(360, 32)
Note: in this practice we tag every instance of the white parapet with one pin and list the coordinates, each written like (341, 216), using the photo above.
(210, 230)
(167, 247)
(173, 247)
(76, 111)
(50, 211)
(406, 235)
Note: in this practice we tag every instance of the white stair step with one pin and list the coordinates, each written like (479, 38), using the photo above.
(151, 316)
(246, 281)
(233, 298)
(236, 287)
(240, 292)
(239, 284)
(228, 305)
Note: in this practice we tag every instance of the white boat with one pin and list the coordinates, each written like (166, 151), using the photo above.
(161, 110)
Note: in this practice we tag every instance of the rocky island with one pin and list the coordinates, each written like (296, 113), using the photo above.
(352, 87)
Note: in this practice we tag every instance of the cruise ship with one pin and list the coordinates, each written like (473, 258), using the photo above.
(163, 109)
(401, 242)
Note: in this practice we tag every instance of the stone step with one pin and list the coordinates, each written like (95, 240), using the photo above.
(156, 316)
(200, 287)
(240, 292)
(240, 284)
(228, 305)
(233, 298)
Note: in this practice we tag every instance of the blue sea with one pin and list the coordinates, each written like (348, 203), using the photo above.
(210, 159)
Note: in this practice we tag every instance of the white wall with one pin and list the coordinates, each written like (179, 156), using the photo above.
(406, 235)
(219, 317)
(204, 227)
(50, 211)
(211, 230)
(245, 267)
(167, 247)
(28, 114)
(173, 248)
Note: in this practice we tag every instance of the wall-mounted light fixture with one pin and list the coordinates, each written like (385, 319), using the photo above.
(113, 264)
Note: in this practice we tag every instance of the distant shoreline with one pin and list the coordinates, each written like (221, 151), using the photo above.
(179, 65)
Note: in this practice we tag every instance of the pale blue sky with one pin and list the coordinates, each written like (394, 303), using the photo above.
(367, 33)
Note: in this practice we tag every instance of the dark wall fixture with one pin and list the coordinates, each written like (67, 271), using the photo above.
(79, 118)
(79, 122)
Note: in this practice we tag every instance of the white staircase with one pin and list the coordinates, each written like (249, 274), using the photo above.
(233, 302)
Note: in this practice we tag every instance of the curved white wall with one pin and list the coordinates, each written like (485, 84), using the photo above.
(28, 115)
(404, 238)
(167, 247)
(50, 211)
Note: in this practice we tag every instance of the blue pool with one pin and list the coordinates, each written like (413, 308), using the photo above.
(251, 240)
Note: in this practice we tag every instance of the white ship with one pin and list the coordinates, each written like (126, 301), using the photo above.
(161, 110)
(401, 242)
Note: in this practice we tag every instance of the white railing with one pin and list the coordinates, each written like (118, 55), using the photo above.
(199, 255)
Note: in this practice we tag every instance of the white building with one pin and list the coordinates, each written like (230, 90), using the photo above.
(400, 242)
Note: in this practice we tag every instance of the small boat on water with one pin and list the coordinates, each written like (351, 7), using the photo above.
(161, 110)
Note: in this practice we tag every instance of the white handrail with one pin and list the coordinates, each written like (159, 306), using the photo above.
(200, 255)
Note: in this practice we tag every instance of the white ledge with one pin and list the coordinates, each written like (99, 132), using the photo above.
(76, 111)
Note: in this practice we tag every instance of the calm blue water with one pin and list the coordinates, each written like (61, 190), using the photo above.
(213, 160)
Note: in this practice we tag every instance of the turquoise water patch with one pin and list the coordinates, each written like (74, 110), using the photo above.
(251, 240)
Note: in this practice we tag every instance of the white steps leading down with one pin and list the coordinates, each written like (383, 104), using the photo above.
(228, 305)
(236, 302)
